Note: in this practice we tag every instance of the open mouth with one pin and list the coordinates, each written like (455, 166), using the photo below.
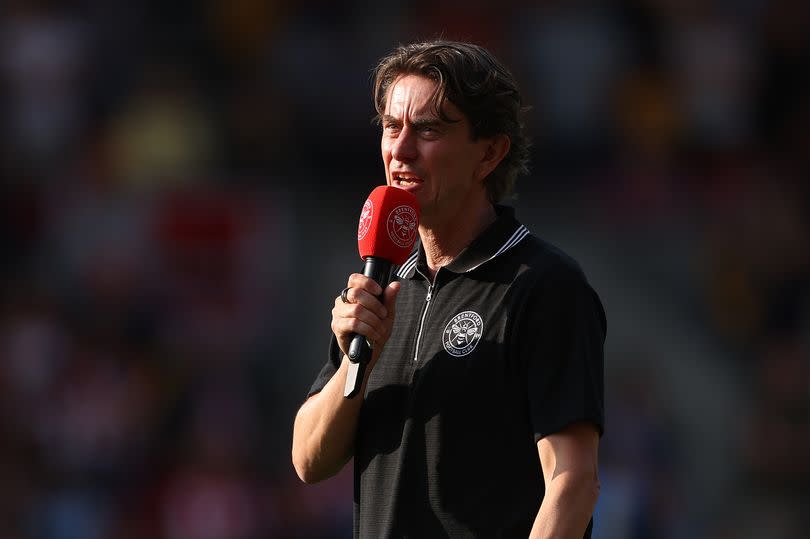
(405, 181)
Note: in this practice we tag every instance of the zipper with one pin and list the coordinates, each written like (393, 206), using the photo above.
(422, 321)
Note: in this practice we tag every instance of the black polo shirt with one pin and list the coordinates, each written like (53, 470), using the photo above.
(502, 349)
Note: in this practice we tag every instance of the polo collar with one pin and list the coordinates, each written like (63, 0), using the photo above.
(496, 239)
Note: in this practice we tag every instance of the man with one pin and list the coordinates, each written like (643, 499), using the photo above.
(481, 409)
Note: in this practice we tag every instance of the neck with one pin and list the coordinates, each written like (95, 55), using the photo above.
(444, 242)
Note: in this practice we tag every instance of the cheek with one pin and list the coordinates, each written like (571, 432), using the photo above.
(385, 151)
(454, 165)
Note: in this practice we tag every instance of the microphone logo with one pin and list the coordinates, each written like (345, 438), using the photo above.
(365, 219)
(401, 225)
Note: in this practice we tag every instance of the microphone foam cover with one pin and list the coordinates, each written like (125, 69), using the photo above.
(388, 224)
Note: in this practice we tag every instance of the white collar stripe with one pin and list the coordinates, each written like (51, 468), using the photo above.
(517, 240)
(408, 265)
(516, 237)
(519, 234)
(513, 240)
(404, 270)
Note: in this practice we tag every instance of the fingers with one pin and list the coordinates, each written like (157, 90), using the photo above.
(358, 280)
(353, 318)
(344, 328)
(364, 313)
(390, 297)
(364, 291)
(390, 300)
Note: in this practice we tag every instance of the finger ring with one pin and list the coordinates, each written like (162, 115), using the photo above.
(344, 295)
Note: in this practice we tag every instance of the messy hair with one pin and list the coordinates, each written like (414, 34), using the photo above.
(478, 84)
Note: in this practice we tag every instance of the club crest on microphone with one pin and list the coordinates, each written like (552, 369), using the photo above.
(365, 219)
(401, 225)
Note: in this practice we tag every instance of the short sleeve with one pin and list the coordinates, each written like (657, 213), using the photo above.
(329, 369)
(562, 342)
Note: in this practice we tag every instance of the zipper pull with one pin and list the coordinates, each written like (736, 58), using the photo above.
(430, 292)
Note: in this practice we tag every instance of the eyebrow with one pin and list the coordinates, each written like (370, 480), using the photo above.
(418, 123)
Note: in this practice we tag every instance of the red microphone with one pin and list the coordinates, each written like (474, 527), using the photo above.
(386, 233)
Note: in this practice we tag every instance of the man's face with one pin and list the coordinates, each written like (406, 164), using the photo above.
(435, 160)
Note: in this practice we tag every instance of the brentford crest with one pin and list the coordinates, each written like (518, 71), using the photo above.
(402, 225)
(365, 219)
(462, 333)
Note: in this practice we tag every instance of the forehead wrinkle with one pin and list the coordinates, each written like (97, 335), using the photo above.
(418, 106)
(406, 95)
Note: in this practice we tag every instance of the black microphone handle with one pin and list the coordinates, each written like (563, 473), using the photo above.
(379, 270)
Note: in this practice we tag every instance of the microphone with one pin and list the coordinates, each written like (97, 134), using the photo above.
(386, 233)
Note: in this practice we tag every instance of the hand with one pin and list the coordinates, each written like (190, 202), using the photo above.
(363, 313)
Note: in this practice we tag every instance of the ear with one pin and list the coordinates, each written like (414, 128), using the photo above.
(495, 150)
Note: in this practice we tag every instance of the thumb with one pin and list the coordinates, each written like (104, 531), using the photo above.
(390, 297)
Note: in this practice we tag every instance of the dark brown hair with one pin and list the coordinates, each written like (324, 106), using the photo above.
(478, 84)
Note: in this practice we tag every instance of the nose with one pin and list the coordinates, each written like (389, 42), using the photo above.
(403, 149)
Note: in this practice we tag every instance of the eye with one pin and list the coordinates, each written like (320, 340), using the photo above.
(429, 131)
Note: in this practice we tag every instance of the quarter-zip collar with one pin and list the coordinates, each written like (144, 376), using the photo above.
(496, 239)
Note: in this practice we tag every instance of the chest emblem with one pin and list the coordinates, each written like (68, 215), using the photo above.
(462, 333)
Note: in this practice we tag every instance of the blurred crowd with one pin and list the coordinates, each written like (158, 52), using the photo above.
(180, 183)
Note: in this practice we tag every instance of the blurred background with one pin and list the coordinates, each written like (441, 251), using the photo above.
(181, 183)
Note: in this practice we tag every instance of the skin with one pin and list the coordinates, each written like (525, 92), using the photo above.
(569, 462)
(441, 164)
